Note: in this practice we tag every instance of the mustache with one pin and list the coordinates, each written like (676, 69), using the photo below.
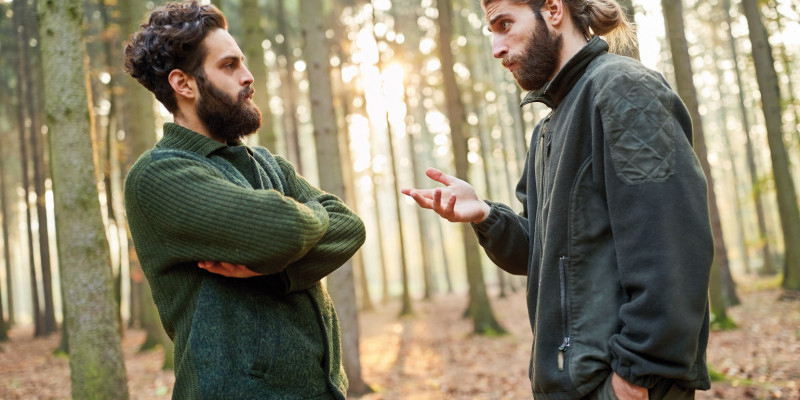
(508, 60)
(248, 91)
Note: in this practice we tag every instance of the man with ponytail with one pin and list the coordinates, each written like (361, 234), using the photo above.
(614, 235)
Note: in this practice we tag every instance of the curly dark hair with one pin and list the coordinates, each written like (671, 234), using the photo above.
(170, 39)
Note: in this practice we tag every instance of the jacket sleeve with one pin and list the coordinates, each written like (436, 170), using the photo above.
(658, 207)
(344, 236)
(504, 234)
(202, 216)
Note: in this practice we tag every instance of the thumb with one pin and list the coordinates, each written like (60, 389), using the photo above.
(439, 176)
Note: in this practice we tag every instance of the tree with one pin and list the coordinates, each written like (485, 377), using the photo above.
(784, 185)
(254, 53)
(7, 255)
(763, 240)
(479, 306)
(139, 126)
(22, 69)
(341, 284)
(673, 21)
(286, 60)
(96, 362)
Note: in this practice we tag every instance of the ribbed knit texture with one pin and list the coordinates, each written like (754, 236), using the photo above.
(275, 336)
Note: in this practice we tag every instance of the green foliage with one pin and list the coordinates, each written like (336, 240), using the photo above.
(723, 324)
(715, 375)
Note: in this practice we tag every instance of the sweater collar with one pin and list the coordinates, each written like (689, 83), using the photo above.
(554, 91)
(179, 137)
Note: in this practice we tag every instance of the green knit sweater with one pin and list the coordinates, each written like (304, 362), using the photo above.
(269, 337)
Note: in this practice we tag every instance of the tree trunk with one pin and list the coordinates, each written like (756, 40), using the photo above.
(140, 136)
(340, 283)
(22, 46)
(96, 362)
(763, 236)
(728, 284)
(284, 51)
(7, 255)
(479, 306)
(673, 21)
(771, 105)
(250, 14)
(5, 214)
(787, 64)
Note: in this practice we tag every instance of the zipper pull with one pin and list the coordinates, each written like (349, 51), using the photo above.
(561, 350)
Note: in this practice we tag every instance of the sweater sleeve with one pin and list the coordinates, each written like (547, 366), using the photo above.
(504, 234)
(202, 216)
(344, 236)
(657, 202)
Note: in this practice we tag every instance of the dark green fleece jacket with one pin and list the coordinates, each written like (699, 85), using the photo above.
(269, 337)
(614, 237)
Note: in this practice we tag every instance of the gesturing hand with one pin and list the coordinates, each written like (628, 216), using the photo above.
(455, 202)
(227, 269)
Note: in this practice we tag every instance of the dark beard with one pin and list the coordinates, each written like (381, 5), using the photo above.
(227, 119)
(539, 60)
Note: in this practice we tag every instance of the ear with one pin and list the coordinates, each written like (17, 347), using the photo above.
(182, 84)
(555, 10)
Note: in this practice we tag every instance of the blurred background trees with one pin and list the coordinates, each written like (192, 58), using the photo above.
(410, 84)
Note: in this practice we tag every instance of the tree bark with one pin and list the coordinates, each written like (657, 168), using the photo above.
(96, 362)
(784, 185)
(250, 14)
(284, 51)
(479, 306)
(755, 190)
(673, 21)
(341, 284)
(22, 45)
(6, 253)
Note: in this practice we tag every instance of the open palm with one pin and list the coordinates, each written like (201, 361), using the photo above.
(455, 202)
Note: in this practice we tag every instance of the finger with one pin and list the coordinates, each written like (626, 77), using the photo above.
(451, 206)
(439, 176)
(437, 201)
(421, 200)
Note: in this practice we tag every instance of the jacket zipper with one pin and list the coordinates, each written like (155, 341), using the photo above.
(562, 269)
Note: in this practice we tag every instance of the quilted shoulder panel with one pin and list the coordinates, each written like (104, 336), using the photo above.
(638, 126)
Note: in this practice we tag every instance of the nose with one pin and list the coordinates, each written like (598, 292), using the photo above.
(499, 48)
(246, 78)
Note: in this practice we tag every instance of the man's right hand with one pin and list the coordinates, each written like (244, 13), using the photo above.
(227, 269)
(455, 202)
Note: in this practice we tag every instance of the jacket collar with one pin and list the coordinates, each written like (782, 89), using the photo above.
(178, 137)
(554, 91)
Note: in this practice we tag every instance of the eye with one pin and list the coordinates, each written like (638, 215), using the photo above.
(505, 24)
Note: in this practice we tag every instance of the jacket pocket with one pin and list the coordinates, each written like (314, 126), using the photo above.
(562, 275)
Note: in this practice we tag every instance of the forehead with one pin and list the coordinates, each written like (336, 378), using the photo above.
(220, 44)
(504, 7)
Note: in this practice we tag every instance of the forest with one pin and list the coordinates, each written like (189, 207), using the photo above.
(361, 96)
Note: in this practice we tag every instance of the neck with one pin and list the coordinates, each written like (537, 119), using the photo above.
(573, 41)
(191, 121)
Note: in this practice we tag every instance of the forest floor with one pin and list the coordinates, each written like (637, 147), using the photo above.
(434, 355)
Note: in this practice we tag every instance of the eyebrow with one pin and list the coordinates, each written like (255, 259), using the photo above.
(497, 17)
(231, 57)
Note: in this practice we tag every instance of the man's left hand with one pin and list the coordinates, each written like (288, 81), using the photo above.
(626, 390)
(227, 269)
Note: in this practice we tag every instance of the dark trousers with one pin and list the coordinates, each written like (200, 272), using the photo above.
(664, 390)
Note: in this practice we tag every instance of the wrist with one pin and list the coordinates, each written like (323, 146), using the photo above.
(485, 210)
